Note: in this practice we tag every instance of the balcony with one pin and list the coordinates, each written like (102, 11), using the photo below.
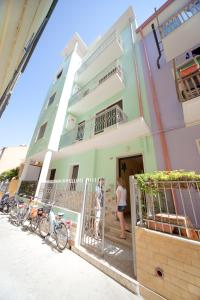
(108, 51)
(181, 27)
(106, 129)
(189, 95)
(102, 87)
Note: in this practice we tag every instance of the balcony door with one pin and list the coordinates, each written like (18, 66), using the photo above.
(107, 117)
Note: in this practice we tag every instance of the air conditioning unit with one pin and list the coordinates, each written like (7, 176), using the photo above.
(71, 122)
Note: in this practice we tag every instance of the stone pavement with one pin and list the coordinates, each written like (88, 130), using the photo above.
(33, 270)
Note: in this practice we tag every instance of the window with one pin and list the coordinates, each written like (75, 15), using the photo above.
(59, 74)
(52, 174)
(80, 132)
(51, 99)
(107, 117)
(75, 169)
(41, 131)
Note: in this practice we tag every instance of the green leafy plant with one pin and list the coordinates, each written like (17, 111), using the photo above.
(151, 183)
(8, 175)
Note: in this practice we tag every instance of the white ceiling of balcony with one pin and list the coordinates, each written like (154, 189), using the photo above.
(19, 19)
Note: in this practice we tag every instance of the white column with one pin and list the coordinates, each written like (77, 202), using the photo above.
(44, 171)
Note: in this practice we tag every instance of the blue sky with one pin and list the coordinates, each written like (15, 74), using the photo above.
(88, 18)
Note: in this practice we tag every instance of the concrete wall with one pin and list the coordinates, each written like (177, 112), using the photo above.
(179, 259)
(12, 157)
(180, 140)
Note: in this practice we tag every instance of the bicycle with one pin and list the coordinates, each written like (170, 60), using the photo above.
(18, 210)
(54, 226)
(36, 218)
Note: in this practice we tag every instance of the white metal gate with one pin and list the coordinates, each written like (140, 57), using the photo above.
(93, 219)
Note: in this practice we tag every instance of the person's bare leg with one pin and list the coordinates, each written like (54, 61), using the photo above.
(121, 222)
(97, 228)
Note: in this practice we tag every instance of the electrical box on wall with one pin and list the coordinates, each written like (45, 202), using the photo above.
(71, 122)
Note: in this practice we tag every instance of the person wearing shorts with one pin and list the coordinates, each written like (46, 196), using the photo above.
(121, 195)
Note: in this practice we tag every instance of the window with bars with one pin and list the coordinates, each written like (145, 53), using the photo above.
(107, 117)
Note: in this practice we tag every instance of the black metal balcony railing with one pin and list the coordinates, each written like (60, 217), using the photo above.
(110, 118)
(93, 84)
(189, 86)
(179, 18)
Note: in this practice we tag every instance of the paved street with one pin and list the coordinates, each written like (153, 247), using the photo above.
(33, 270)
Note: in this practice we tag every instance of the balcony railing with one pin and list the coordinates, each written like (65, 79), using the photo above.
(110, 118)
(189, 86)
(184, 14)
(88, 60)
(112, 69)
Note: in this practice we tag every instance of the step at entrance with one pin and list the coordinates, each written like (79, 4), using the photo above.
(112, 233)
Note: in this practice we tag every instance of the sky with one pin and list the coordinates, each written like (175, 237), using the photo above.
(90, 18)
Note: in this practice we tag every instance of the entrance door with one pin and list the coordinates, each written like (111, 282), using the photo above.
(128, 166)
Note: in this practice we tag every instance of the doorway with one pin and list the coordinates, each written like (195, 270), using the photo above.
(128, 166)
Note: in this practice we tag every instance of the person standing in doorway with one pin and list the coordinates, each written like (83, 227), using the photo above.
(121, 195)
(99, 196)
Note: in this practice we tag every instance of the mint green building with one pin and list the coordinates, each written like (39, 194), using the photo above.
(95, 120)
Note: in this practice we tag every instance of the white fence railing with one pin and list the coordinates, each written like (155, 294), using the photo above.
(183, 15)
(88, 60)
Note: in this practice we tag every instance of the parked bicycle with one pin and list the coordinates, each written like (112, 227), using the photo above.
(4, 203)
(18, 210)
(36, 216)
(54, 226)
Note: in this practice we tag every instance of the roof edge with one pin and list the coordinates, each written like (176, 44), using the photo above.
(161, 9)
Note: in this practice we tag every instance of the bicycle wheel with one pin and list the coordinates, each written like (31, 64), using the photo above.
(34, 224)
(13, 211)
(61, 236)
(44, 227)
(6, 208)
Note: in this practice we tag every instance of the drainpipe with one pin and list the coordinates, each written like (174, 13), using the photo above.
(141, 110)
(157, 45)
(163, 141)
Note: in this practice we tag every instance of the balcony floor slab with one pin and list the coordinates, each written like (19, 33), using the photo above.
(110, 137)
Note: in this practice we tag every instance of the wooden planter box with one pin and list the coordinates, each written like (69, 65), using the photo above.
(167, 228)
